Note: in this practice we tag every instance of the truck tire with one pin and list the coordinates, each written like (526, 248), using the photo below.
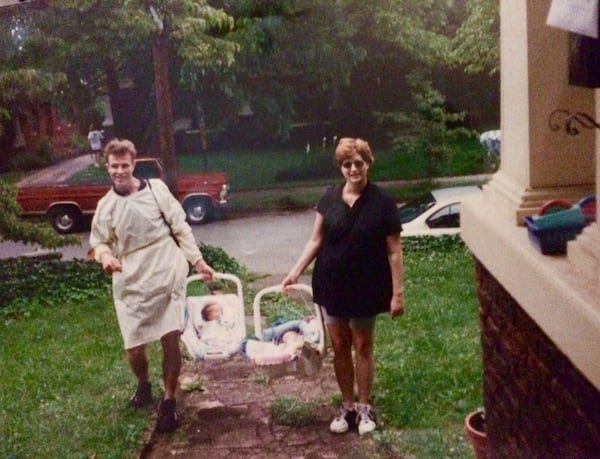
(197, 210)
(65, 219)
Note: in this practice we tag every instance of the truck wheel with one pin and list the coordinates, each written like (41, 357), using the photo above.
(197, 210)
(65, 219)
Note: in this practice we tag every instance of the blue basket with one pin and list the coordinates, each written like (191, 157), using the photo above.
(552, 241)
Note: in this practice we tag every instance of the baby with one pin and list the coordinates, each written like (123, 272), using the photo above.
(283, 342)
(212, 311)
(213, 326)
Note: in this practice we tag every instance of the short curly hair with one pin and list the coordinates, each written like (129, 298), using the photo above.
(348, 146)
(120, 148)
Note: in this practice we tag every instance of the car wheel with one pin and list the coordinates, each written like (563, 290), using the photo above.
(65, 219)
(197, 210)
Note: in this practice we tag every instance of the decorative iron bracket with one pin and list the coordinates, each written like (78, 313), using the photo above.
(571, 121)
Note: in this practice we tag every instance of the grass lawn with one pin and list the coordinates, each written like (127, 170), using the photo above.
(289, 168)
(291, 179)
(65, 380)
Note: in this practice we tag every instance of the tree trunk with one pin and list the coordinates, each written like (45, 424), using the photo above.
(164, 110)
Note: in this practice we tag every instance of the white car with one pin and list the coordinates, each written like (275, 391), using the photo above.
(436, 213)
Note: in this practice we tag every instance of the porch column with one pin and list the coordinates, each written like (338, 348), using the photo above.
(539, 164)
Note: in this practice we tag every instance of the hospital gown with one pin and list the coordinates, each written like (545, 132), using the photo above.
(149, 292)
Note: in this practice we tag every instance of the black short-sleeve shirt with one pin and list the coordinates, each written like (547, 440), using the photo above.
(352, 276)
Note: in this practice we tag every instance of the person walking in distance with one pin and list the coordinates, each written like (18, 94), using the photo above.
(95, 137)
(358, 274)
(140, 236)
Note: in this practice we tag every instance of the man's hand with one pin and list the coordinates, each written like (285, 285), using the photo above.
(110, 263)
(202, 268)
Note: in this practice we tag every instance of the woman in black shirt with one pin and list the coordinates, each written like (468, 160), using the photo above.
(358, 274)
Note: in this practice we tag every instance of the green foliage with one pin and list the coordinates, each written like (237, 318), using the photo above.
(428, 127)
(476, 45)
(432, 245)
(200, 32)
(291, 411)
(422, 29)
(26, 282)
(230, 56)
(14, 229)
(40, 157)
(221, 262)
(278, 308)
(22, 86)
(271, 73)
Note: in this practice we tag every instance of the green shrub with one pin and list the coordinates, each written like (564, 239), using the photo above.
(221, 262)
(432, 244)
(291, 411)
(26, 282)
(39, 157)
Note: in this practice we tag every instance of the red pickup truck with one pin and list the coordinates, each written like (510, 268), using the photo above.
(202, 195)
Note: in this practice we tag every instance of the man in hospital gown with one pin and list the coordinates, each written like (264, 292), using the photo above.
(140, 236)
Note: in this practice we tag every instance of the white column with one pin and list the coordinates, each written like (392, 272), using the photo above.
(539, 164)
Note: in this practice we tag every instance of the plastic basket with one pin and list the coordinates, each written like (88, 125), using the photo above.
(552, 241)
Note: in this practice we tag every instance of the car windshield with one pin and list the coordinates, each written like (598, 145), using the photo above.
(146, 170)
(412, 209)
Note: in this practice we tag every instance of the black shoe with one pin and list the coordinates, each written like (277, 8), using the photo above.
(167, 416)
(142, 397)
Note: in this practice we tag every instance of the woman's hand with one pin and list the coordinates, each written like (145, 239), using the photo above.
(397, 305)
(290, 279)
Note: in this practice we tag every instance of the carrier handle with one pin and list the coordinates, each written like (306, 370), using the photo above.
(225, 276)
(278, 289)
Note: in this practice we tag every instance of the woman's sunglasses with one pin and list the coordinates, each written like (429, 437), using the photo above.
(359, 164)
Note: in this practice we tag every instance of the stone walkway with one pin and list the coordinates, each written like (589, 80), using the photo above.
(225, 414)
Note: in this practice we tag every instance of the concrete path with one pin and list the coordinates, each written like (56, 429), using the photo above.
(57, 173)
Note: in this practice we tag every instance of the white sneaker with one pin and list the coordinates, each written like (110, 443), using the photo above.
(341, 423)
(365, 419)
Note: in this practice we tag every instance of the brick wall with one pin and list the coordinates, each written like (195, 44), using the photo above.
(538, 405)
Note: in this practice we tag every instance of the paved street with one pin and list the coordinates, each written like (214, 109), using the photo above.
(267, 244)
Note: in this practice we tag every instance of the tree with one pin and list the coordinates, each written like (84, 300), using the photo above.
(476, 45)
(22, 86)
(98, 45)
(293, 57)
(427, 128)
(436, 37)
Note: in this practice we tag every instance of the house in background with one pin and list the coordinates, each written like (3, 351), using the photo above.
(24, 132)
(539, 314)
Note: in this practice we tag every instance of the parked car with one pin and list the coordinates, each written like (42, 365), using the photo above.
(435, 213)
(202, 196)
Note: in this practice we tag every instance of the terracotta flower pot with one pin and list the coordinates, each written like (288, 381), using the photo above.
(475, 430)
